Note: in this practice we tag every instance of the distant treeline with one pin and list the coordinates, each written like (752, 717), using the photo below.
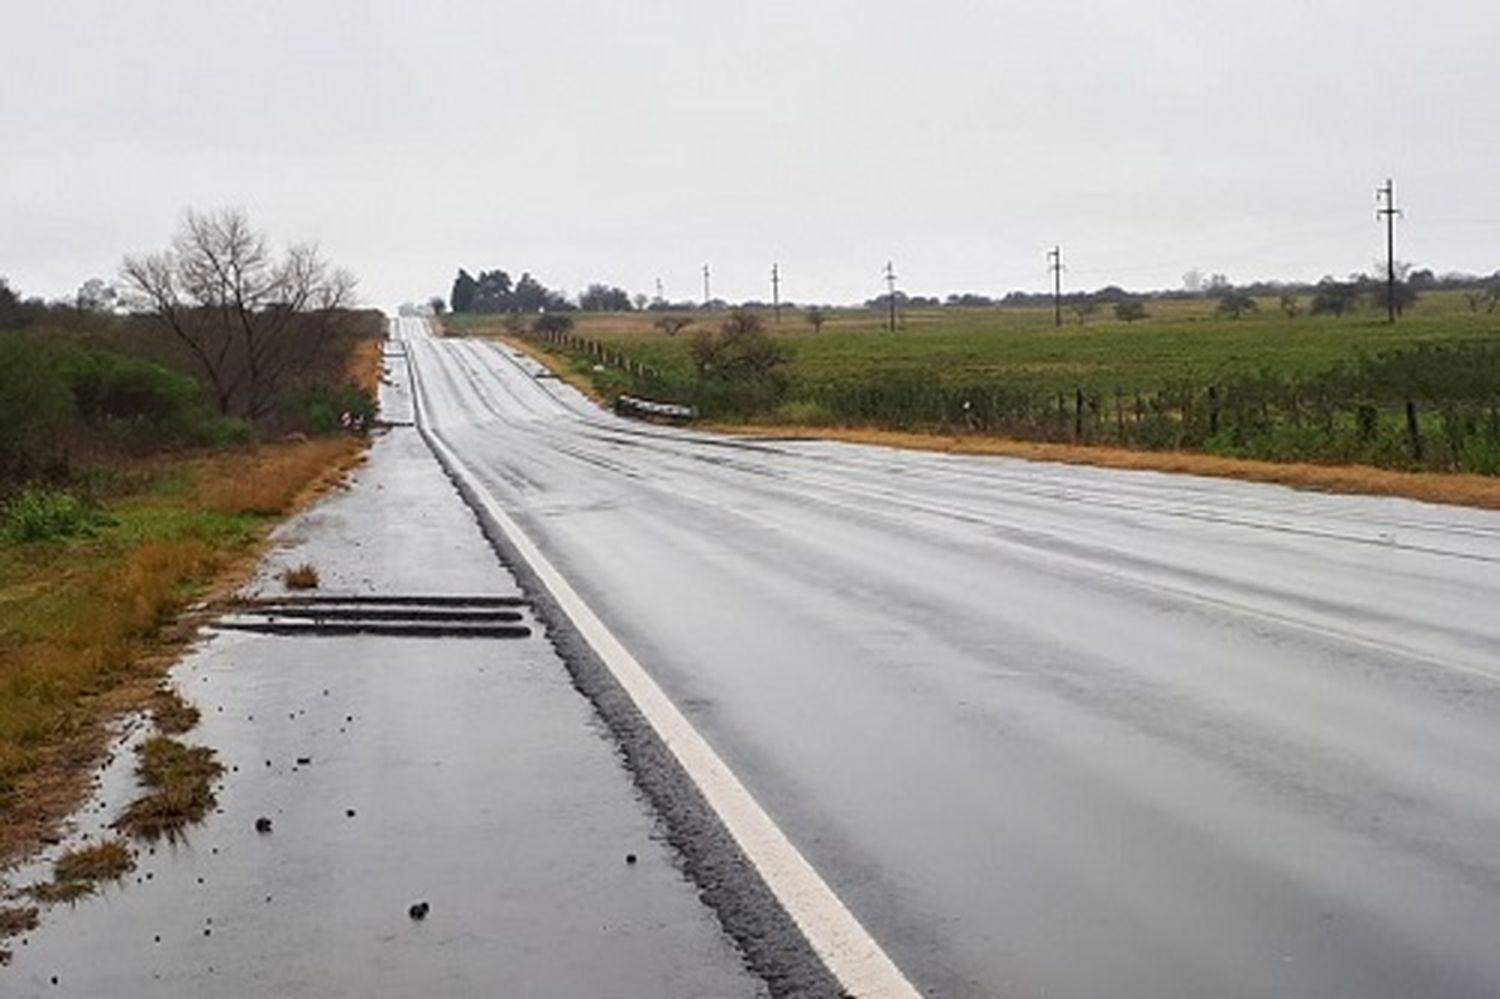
(1329, 295)
(495, 292)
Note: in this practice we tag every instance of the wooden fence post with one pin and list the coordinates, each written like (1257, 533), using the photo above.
(1413, 430)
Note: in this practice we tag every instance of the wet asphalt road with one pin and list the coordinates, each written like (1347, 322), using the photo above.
(465, 773)
(1051, 730)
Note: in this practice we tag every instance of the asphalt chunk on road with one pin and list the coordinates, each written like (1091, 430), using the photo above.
(483, 784)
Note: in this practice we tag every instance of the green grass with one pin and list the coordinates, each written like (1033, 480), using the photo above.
(1019, 347)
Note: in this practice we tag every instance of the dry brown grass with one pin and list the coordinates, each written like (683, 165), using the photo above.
(302, 577)
(366, 364)
(172, 714)
(17, 919)
(276, 479)
(181, 781)
(106, 861)
(78, 872)
(1433, 487)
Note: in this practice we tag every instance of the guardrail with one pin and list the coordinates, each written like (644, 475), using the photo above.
(645, 409)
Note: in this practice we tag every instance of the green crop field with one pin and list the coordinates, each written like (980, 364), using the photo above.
(1422, 393)
(1180, 340)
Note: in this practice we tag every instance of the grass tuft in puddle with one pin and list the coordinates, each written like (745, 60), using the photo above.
(77, 872)
(302, 577)
(172, 714)
(180, 778)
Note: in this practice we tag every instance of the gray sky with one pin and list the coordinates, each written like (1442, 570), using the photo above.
(592, 140)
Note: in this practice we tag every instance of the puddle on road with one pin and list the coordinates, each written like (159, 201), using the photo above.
(464, 775)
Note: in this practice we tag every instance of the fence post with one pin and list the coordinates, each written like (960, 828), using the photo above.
(1413, 430)
(1077, 414)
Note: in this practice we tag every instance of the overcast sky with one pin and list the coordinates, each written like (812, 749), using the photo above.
(604, 140)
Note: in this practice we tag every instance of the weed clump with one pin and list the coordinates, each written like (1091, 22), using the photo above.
(77, 872)
(14, 921)
(302, 577)
(172, 715)
(181, 781)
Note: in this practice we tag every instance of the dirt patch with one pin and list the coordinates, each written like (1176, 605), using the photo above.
(1433, 487)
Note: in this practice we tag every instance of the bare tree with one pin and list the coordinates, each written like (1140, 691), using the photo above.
(816, 318)
(248, 317)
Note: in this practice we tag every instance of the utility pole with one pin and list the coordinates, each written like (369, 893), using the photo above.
(1054, 264)
(890, 284)
(706, 297)
(776, 291)
(659, 296)
(1385, 197)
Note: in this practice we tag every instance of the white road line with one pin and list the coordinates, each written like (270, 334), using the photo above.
(860, 964)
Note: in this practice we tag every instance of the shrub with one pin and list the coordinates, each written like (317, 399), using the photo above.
(553, 322)
(113, 387)
(321, 409)
(43, 515)
(35, 404)
(739, 368)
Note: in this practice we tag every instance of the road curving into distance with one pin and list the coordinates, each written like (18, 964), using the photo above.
(1047, 729)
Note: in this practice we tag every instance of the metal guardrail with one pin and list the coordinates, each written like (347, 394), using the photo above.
(629, 405)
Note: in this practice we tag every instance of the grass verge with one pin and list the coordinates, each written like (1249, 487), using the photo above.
(86, 622)
(574, 373)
